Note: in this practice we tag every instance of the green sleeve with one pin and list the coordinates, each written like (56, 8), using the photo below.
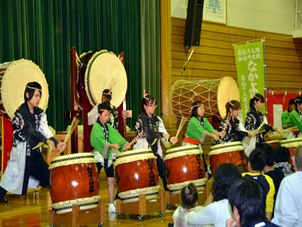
(284, 117)
(195, 130)
(295, 118)
(208, 126)
(116, 138)
(97, 139)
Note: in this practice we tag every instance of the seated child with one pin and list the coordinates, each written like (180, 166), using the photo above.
(189, 197)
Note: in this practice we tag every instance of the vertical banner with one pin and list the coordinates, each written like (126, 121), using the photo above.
(250, 72)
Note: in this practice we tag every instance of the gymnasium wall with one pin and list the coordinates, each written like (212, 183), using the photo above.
(263, 15)
(214, 58)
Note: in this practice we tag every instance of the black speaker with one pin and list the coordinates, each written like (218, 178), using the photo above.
(193, 22)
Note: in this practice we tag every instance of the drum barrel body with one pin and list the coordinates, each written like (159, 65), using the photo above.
(136, 173)
(274, 143)
(74, 179)
(84, 60)
(292, 145)
(184, 164)
(136, 169)
(232, 152)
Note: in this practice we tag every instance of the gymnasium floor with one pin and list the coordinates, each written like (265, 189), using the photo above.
(33, 210)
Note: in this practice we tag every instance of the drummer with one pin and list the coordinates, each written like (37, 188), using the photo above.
(295, 117)
(113, 118)
(199, 128)
(30, 129)
(153, 130)
(286, 113)
(254, 119)
(233, 128)
(107, 143)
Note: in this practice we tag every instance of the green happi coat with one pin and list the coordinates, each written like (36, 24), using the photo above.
(295, 120)
(101, 137)
(198, 129)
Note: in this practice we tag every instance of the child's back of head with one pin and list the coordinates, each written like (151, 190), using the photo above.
(189, 196)
(257, 160)
(281, 154)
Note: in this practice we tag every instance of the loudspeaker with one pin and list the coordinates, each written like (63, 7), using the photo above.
(193, 22)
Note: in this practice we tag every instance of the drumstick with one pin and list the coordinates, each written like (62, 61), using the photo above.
(261, 125)
(268, 133)
(181, 124)
(73, 125)
(257, 134)
(260, 132)
(135, 138)
(290, 129)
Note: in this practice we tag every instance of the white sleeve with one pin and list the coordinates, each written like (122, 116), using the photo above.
(241, 127)
(43, 128)
(161, 127)
(286, 208)
(93, 115)
(205, 216)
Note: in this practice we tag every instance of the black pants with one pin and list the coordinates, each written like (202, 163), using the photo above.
(2, 193)
(36, 167)
(161, 170)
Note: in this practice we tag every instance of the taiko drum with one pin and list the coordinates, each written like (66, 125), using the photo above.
(136, 169)
(74, 180)
(184, 164)
(292, 145)
(231, 152)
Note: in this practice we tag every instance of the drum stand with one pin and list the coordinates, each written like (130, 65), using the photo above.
(142, 206)
(78, 217)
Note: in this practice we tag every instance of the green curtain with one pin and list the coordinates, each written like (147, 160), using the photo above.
(45, 30)
(150, 54)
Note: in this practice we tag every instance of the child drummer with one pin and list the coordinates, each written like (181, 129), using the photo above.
(107, 143)
(234, 129)
(154, 131)
(199, 127)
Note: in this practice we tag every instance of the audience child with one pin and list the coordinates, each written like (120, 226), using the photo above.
(256, 163)
(246, 198)
(288, 208)
(189, 199)
(216, 209)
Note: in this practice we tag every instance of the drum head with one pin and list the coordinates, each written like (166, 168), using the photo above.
(105, 70)
(15, 78)
(227, 90)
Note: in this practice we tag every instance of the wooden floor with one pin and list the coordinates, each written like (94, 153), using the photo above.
(33, 210)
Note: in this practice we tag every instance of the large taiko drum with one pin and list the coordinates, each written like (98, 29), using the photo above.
(231, 152)
(184, 165)
(214, 94)
(14, 76)
(292, 145)
(74, 179)
(103, 70)
(136, 173)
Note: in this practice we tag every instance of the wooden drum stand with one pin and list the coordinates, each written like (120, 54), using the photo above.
(142, 206)
(78, 217)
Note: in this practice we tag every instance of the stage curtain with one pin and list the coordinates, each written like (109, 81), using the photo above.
(44, 31)
(150, 53)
